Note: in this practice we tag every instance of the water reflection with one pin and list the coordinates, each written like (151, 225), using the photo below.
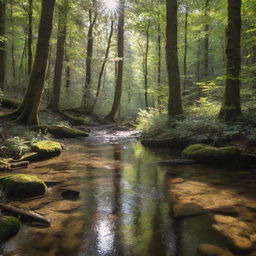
(125, 209)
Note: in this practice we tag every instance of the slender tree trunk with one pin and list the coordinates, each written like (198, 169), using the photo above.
(206, 41)
(12, 44)
(104, 63)
(27, 113)
(185, 50)
(86, 101)
(62, 33)
(30, 35)
(145, 67)
(2, 43)
(159, 65)
(67, 70)
(231, 108)
(120, 66)
(175, 101)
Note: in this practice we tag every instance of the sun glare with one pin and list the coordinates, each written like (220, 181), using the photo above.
(111, 5)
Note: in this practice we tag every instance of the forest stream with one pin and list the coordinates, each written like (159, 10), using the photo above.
(124, 206)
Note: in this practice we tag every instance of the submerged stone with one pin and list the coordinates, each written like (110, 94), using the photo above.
(183, 210)
(205, 153)
(9, 226)
(21, 186)
(47, 148)
(212, 250)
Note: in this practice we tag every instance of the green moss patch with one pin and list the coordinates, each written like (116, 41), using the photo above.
(204, 153)
(47, 148)
(9, 226)
(21, 186)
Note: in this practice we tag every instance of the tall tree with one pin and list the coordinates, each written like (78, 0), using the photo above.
(120, 66)
(62, 34)
(206, 40)
(27, 113)
(89, 55)
(185, 49)
(231, 108)
(2, 43)
(175, 101)
(145, 67)
(159, 63)
(30, 35)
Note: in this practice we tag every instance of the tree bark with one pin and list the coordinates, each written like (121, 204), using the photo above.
(159, 65)
(120, 49)
(175, 101)
(27, 113)
(185, 50)
(231, 108)
(145, 66)
(86, 104)
(104, 63)
(2, 43)
(206, 41)
(62, 33)
(30, 35)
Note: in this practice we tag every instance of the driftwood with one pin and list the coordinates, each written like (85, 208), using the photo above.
(178, 162)
(27, 216)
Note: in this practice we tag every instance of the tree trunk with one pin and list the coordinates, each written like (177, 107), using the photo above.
(185, 50)
(159, 64)
(146, 68)
(12, 44)
(206, 41)
(104, 63)
(30, 35)
(62, 33)
(67, 70)
(175, 101)
(231, 108)
(27, 113)
(120, 66)
(86, 104)
(2, 43)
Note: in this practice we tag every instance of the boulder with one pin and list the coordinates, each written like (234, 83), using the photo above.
(183, 210)
(212, 250)
(77, 120)
(21, 186)
(47, 148)
(207, 154)
(61, 131)
(9, 226)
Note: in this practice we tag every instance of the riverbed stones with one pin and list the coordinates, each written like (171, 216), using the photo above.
(70, 194)
(187, 210)
(212, 250)
(9, 226)
(21, 186)
(47, 148)
(207, 154)
(177, 181)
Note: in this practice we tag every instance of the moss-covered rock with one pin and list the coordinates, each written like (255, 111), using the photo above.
(77, 120)
(21, 186)
(47, 148)
(9, 226)
(204, 153)
(61, 131)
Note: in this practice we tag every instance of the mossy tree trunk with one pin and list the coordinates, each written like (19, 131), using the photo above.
(27, 113)
(120, 66)
(2, 43)
(30, 35)
(231, 108)
(54, 104)
(175, 101)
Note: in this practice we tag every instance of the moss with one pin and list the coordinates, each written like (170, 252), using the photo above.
(60, 131)
(47, 148)
(204, 153)
(21, 186)
(9, 226)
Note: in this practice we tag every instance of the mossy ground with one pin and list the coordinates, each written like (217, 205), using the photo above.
(21, 186)
(9, 226)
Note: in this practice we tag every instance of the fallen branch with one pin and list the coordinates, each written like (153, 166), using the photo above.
(27, 216)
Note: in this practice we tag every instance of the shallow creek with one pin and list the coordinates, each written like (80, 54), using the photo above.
(124, 206)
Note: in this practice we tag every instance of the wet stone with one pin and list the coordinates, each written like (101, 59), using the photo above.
(212, 250)
(187, 210)
(70, 194)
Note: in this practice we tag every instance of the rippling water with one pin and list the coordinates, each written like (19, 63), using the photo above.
(124, 207)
